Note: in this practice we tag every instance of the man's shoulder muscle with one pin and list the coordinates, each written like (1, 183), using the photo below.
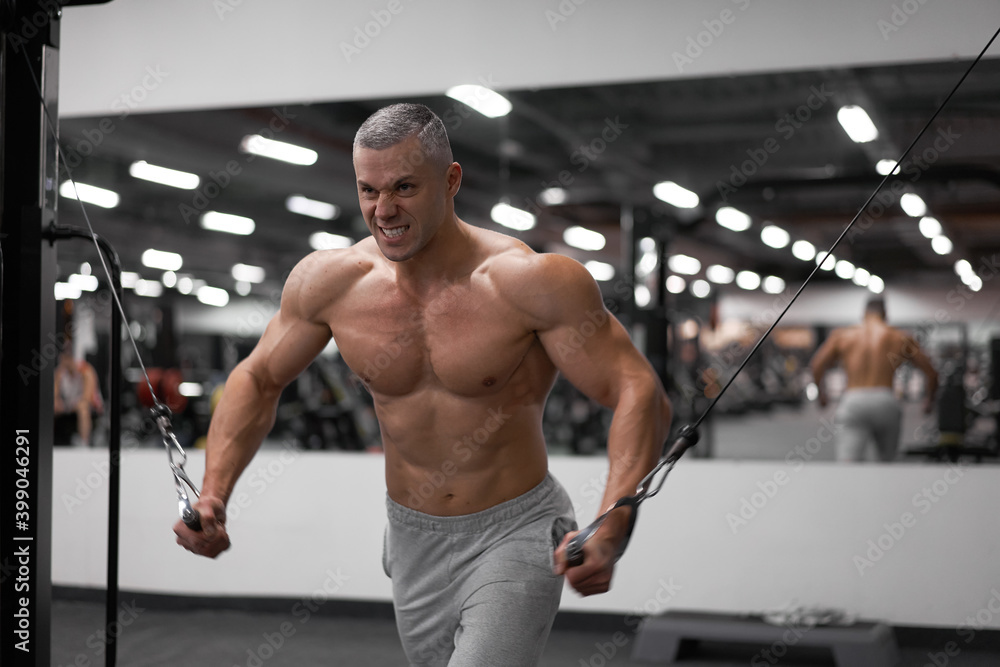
(544, 284)
(322, 278)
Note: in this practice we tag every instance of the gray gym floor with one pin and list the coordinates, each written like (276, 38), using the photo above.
(163, 637)
(201, 638)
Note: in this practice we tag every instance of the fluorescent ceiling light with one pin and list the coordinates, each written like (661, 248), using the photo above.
(278, 150)
(65, 291)
(748, 280)
(228, 223)
(512, 218)
(85, 269)
(773, 285)
(844, 269)
(583, 238)
(647, 263)
(553, 196)
(169, 279)
(190, 389)
(83, 283)
(213, 296)
(975, 283)
(733, 219)
(930, 227)
(876, 285)
(964, 268)
(243, 287)
(701, 288)
(829, 261)
(487, 102)
(164, 176)
(129, 279)
(689, 266)
(883, 167)
(861, 277)
(857, 124)
(328, 241)
(185, 284)
(600, 270)
(90, 194)
(642, 296)
(719, 274)
(774, 236)
(675, 284)
(913, 205)
(248, 273)
(311, 207)
(150, 288)
(804, 250)
(942, 245)
(160, 259)
(675, 195)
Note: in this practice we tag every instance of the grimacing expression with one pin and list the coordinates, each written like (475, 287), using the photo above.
(404, 196)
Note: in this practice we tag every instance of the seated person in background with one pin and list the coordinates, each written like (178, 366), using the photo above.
(868, 411)
(77, 400)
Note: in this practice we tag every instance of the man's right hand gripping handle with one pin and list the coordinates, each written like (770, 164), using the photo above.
(212, 539)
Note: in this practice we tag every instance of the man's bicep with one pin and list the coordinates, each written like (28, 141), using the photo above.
(289, 344)
(595, 354)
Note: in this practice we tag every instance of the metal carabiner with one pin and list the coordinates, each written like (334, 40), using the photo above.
(190, 517)
(687, 437)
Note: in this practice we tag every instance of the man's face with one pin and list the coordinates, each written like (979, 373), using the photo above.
(404, 196)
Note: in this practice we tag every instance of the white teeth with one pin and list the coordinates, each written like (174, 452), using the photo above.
(393, 233)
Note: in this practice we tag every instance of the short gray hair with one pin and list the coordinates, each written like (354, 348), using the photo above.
(393, 124)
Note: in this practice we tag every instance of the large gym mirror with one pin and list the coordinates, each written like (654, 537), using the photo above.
(699, 205)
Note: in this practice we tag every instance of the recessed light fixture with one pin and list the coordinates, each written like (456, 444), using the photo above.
(315, 209)
(857, 124)
(512, 218)
(583, 238)
(804, 250)
(675, 195)
(748, 280)
(684, 264)
(733, 219)
(278, 150)
(90, 194)
(161, 259)
(774, 236)
(601, 271)
(164, 176)
(228, 223)
(487, 102)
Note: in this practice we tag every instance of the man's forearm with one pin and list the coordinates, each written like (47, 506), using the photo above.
(242, 420)
(638, 430)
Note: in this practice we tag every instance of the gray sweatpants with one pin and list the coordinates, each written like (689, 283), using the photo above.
(867, 416)
(478, 590)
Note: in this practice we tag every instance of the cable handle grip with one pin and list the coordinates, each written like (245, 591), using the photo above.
(190, 516)
(687, 438)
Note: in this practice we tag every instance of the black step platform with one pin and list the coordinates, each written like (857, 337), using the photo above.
(860, 644)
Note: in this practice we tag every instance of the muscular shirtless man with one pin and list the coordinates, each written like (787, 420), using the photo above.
(476, 326)
(870, 354)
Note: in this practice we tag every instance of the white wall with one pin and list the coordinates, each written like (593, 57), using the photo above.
(309, 519)
(267, 52)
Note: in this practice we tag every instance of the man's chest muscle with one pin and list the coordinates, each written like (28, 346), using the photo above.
(466, 342)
